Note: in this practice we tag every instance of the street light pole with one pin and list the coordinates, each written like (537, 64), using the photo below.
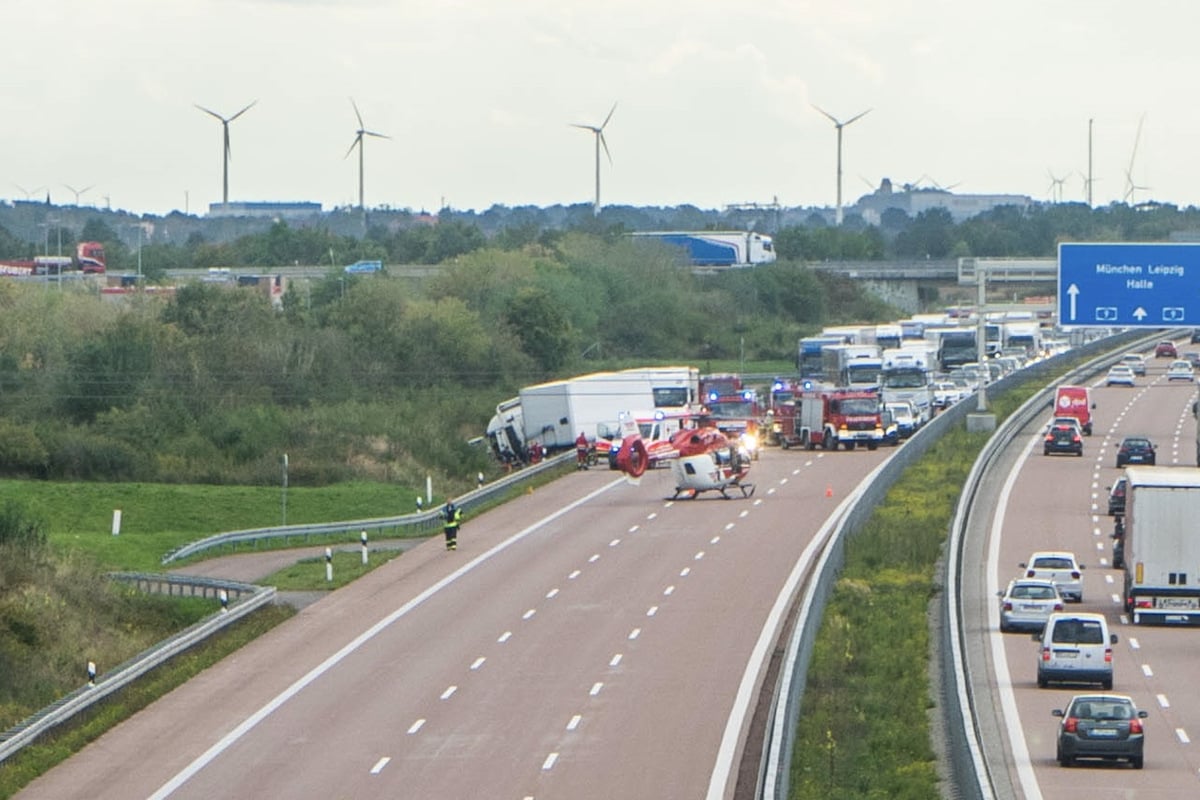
(285, 479)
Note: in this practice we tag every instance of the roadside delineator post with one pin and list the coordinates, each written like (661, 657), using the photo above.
(91, 669)
(363, 538)
(328, 565)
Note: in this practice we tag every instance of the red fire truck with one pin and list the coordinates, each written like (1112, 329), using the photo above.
(825, 418)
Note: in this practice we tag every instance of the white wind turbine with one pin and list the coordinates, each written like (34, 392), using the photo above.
(1130, 186)
(358, 142)
(598, 132)
(76, 192)
(837, 123)
(225, 149)
(1056, 186)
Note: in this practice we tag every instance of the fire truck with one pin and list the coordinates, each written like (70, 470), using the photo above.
(736, 415)
(825, 418)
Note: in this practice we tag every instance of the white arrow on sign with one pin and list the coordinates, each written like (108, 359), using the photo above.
(1073, 291)
(1139, 313)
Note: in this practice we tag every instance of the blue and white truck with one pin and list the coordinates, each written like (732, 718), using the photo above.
(716, 248)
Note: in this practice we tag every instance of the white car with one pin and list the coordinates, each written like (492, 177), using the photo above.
(1180, 370)
(1027, 604)
(1136, 362)
(1119, 375)
(1060, 568)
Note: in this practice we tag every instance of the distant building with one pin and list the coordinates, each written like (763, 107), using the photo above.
(264, 209)
(914, 200)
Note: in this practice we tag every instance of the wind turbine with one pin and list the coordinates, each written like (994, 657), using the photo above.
(1056, 186)
(225, 125)
(837, 123)
(76, 192)
(598, 131)
(28, 192)
(358, 142)
(1130, 187)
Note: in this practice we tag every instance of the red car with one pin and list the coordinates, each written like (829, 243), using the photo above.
(1165, 350)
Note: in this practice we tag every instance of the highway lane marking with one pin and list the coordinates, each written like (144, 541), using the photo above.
(669, 590)
(714, 540)
(416, 726)
(1116, 598)
(529, 614)
(574, 574)
(1181, 734)
(574, 723)
(596, 687)
(477, 663)
(683, 573)
(595, 557)
(783, 481)
(548, 764)
(745, 513)
(636, 632)
(730, 526)
(450, 690)
(614, 543)
(634, 529)
(504, 637)
(757, 501)
(771, 490)
(251, 722)
(1162, 701)
(380, 764)
(1107, 578)
(1134, 644)
(550, 595)
(652, 515)
(651, 611)
(699, 555)
(1149, 673)
(615, 660)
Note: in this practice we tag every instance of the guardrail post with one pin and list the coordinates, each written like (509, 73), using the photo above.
(363, 537)
(328, 565)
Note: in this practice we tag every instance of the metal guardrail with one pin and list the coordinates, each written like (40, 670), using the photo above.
(83, 698)
(421, 523)
(243, 597)
(776, 766)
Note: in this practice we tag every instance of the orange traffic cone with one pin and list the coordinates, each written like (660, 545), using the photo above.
(829, 490)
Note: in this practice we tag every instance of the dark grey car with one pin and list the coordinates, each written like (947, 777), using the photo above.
(1104, 726)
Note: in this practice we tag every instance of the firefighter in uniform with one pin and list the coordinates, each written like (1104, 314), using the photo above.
(451, 520)
(581, 451)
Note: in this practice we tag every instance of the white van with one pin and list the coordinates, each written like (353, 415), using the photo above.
(1075, 648)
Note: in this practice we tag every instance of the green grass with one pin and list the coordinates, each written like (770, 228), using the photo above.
(309, 574)
(56, 747)
(157, 518)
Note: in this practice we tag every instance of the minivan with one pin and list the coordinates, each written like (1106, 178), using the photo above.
(1075, 648)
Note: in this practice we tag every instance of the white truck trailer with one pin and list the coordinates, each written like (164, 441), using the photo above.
(1161, 544)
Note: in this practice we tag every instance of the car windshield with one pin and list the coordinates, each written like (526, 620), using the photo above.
(1052, 562)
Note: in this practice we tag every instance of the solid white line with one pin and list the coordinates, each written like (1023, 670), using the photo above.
(254, 719)
(379, 765)
(1008, 700)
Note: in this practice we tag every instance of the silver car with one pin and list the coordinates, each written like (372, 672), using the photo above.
(1027, 604)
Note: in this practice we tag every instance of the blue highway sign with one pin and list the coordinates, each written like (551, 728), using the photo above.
(1129, 285)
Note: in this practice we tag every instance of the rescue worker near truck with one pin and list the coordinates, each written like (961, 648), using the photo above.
(451, 519)
(581, 451)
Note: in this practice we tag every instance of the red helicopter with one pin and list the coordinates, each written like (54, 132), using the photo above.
(701, 460)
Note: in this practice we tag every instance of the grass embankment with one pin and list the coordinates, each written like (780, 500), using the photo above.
(864, 722)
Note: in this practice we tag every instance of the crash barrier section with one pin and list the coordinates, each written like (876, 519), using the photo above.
(248, 598)
(969, 774)
(237, 599)
(421, 523)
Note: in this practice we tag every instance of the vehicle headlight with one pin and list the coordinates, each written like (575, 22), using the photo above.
(750, 441)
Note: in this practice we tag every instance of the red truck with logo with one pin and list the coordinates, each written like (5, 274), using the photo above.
(827, 418)
(1075, 401)
(88, 259)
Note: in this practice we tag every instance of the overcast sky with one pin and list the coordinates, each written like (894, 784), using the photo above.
(714, 100)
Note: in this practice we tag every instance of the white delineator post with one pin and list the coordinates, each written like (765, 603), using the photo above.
(363, 538)
(328, 565)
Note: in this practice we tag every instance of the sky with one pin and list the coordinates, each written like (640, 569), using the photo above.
(714, 100)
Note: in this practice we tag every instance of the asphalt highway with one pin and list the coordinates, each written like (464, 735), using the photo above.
(590, 639)
(1060, 502)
